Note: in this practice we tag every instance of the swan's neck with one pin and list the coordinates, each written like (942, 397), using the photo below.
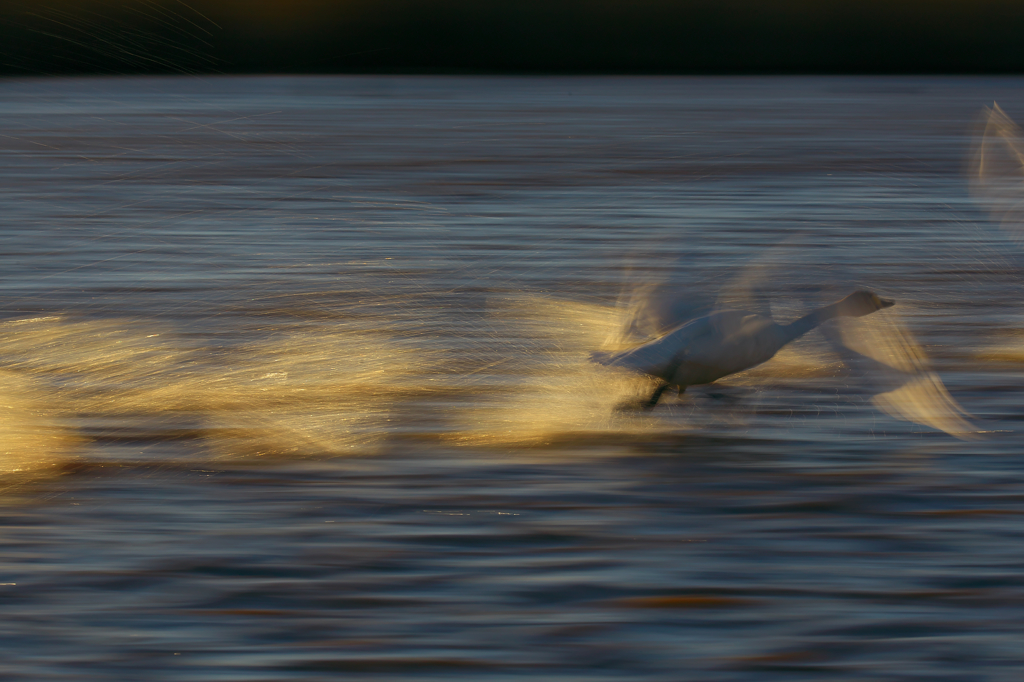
(795, 330)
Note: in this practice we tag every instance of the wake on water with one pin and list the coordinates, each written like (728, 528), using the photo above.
(522, 374)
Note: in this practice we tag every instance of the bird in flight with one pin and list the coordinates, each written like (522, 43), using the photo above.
(708, 348)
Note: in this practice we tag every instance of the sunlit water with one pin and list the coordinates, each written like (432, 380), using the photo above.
(296, 380)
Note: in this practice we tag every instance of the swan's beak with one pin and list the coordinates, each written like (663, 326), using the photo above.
(884, 303)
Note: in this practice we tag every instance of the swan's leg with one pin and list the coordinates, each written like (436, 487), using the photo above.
(655, 397)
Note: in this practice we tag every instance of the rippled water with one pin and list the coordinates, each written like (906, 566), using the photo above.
(296, 380)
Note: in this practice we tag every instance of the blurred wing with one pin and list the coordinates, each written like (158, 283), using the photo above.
(656, 304)
(750, 289)
(652, 306)
(784, 281)
(997, 172)
(657, 309)
(882, 353)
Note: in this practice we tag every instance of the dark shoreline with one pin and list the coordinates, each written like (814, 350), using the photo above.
(559, 37)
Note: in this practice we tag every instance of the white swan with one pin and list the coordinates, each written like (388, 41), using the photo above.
(726, 342)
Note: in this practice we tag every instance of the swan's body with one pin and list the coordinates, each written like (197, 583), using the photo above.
(726, 342)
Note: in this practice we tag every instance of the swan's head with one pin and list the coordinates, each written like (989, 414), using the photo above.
(861, 303)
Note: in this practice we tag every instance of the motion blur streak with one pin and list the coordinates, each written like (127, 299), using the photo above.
(320, 391)
(312, 393)
(33, 432)
(543, 386)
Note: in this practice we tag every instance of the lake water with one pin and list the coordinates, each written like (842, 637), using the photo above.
(295, 380)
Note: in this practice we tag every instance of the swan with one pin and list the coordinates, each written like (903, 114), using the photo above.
(708, 348)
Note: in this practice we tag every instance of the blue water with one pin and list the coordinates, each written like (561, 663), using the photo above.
(296, 385)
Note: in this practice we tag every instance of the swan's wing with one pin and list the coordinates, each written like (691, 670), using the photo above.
(997, 171)
(886, 359)
(660, 308)
(751, 288)
(654, 302)
(783, 281)
(657, 301)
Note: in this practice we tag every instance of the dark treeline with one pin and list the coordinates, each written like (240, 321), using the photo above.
(610, 36)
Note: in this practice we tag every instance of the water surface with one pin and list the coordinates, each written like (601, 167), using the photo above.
(296, 381)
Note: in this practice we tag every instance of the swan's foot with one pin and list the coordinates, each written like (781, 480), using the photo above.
(653, 400)
(646, 405)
